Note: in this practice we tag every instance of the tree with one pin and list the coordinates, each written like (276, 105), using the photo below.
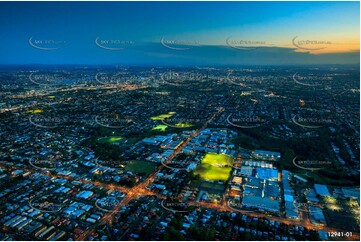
(172, 234)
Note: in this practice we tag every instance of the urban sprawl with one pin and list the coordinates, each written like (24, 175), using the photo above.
(141, 153)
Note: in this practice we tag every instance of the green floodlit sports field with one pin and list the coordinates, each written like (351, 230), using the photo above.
(160, 127)
(163, 116)
(215, 167)
(111, 139)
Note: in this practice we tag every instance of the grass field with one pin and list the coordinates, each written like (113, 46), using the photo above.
(143, 167)
(341, 213)
(214, 167)
(163, 116)
(132, 140)
(110, 139)
(160, 127)
(184, 125)
(35, 111)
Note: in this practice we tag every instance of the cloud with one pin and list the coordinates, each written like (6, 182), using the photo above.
(225, 55)
(152, 53)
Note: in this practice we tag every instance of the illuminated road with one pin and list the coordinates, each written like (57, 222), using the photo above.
(74, 88)
(225, 207)
(141, 190)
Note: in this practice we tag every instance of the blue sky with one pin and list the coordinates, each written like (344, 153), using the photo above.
(76, 25)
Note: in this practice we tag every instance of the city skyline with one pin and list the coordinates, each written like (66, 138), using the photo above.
(180, 121)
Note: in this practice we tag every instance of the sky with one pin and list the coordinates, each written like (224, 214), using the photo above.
(180, 33)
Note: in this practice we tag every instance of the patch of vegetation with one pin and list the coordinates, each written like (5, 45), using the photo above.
(35, 111)
(111, 139)
(184, 125)
(215, 167)
(160, 127)
(140, 167)
(163, 116)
